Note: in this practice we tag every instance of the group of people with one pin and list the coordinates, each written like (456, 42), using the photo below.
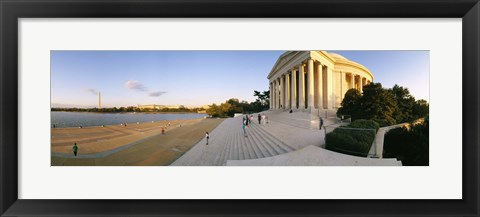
(262, 119)
(247, 119)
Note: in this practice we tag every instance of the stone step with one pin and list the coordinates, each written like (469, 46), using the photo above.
(248, 147)
(221, 157)
(262, 143)
(262, 146)
(241, 151)
(271, 143)
(276, 141)
(254, 151)
(260, 134)
(236, 151)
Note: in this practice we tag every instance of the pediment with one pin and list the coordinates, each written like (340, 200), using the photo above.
(286, 57)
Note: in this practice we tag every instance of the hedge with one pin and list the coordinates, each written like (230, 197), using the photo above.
(350, 141)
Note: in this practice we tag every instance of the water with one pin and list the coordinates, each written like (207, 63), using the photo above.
(75, 119)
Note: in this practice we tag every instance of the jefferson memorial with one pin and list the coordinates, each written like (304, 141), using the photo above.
(314, 81)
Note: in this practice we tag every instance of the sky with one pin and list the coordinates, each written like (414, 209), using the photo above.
(195, 78)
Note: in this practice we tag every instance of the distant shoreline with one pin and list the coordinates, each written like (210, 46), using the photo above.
(128, 123)
(143, 112)
(68, 119)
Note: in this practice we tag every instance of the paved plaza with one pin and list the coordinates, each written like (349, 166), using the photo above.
(289, 139)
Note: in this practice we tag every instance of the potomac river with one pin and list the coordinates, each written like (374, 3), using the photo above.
(75, 119)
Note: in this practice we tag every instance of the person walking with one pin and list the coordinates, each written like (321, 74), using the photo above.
(207, 136)
(321, 123)
(263, 119)
(243, 127)
(75, 149)
(259, 119)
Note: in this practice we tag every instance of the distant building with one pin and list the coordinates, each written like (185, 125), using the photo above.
(158, 107)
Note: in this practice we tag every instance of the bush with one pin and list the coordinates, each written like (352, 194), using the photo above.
(385, 122)
(350, 141)
(411, 146)
(365, 124)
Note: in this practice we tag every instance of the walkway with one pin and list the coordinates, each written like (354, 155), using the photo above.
(158, 150)
(278, 143)
(377, 148)
(315, 156)
(228, 142)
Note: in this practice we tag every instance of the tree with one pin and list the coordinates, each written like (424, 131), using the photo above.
(378, 104)
(235, 107)
(410, 145)
(405, 103)
(262, 98)
(420, 109)
(350, 104)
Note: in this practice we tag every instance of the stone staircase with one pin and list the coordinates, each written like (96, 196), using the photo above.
(228, 142)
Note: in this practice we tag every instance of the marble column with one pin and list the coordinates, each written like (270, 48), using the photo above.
(310, 84)
(357, 82)
(320, 86)
(361, 84)
(277, 90)
(271, 96)
(301, 74)
(274, 94)
(331, 97)
(287, 91)
(293, 94)
(282, 92)
(343, 88)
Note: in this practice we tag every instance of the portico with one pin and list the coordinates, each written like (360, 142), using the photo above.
(314, 80)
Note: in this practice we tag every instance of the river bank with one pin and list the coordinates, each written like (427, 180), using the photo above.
(146, 144)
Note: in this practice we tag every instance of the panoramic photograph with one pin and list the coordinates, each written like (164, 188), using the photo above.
(240, 108)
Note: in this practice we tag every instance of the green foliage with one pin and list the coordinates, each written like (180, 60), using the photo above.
(350, 103)
(420, 109)
(411, 146)
(405, 103)
(220, 111)
(378, 103)
(262, 102)
(384, 106)
(351, 141)
(233, 105)
(364, 124)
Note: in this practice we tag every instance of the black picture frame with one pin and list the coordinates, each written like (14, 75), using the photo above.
(12, 10)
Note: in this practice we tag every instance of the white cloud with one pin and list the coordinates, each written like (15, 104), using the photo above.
(156, 94)
(92, 91)
(135, 85)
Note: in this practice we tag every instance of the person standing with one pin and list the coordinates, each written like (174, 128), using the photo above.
(75, 149)
(243, 127)
(259, 119)
(321, 123)
(207, 136)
